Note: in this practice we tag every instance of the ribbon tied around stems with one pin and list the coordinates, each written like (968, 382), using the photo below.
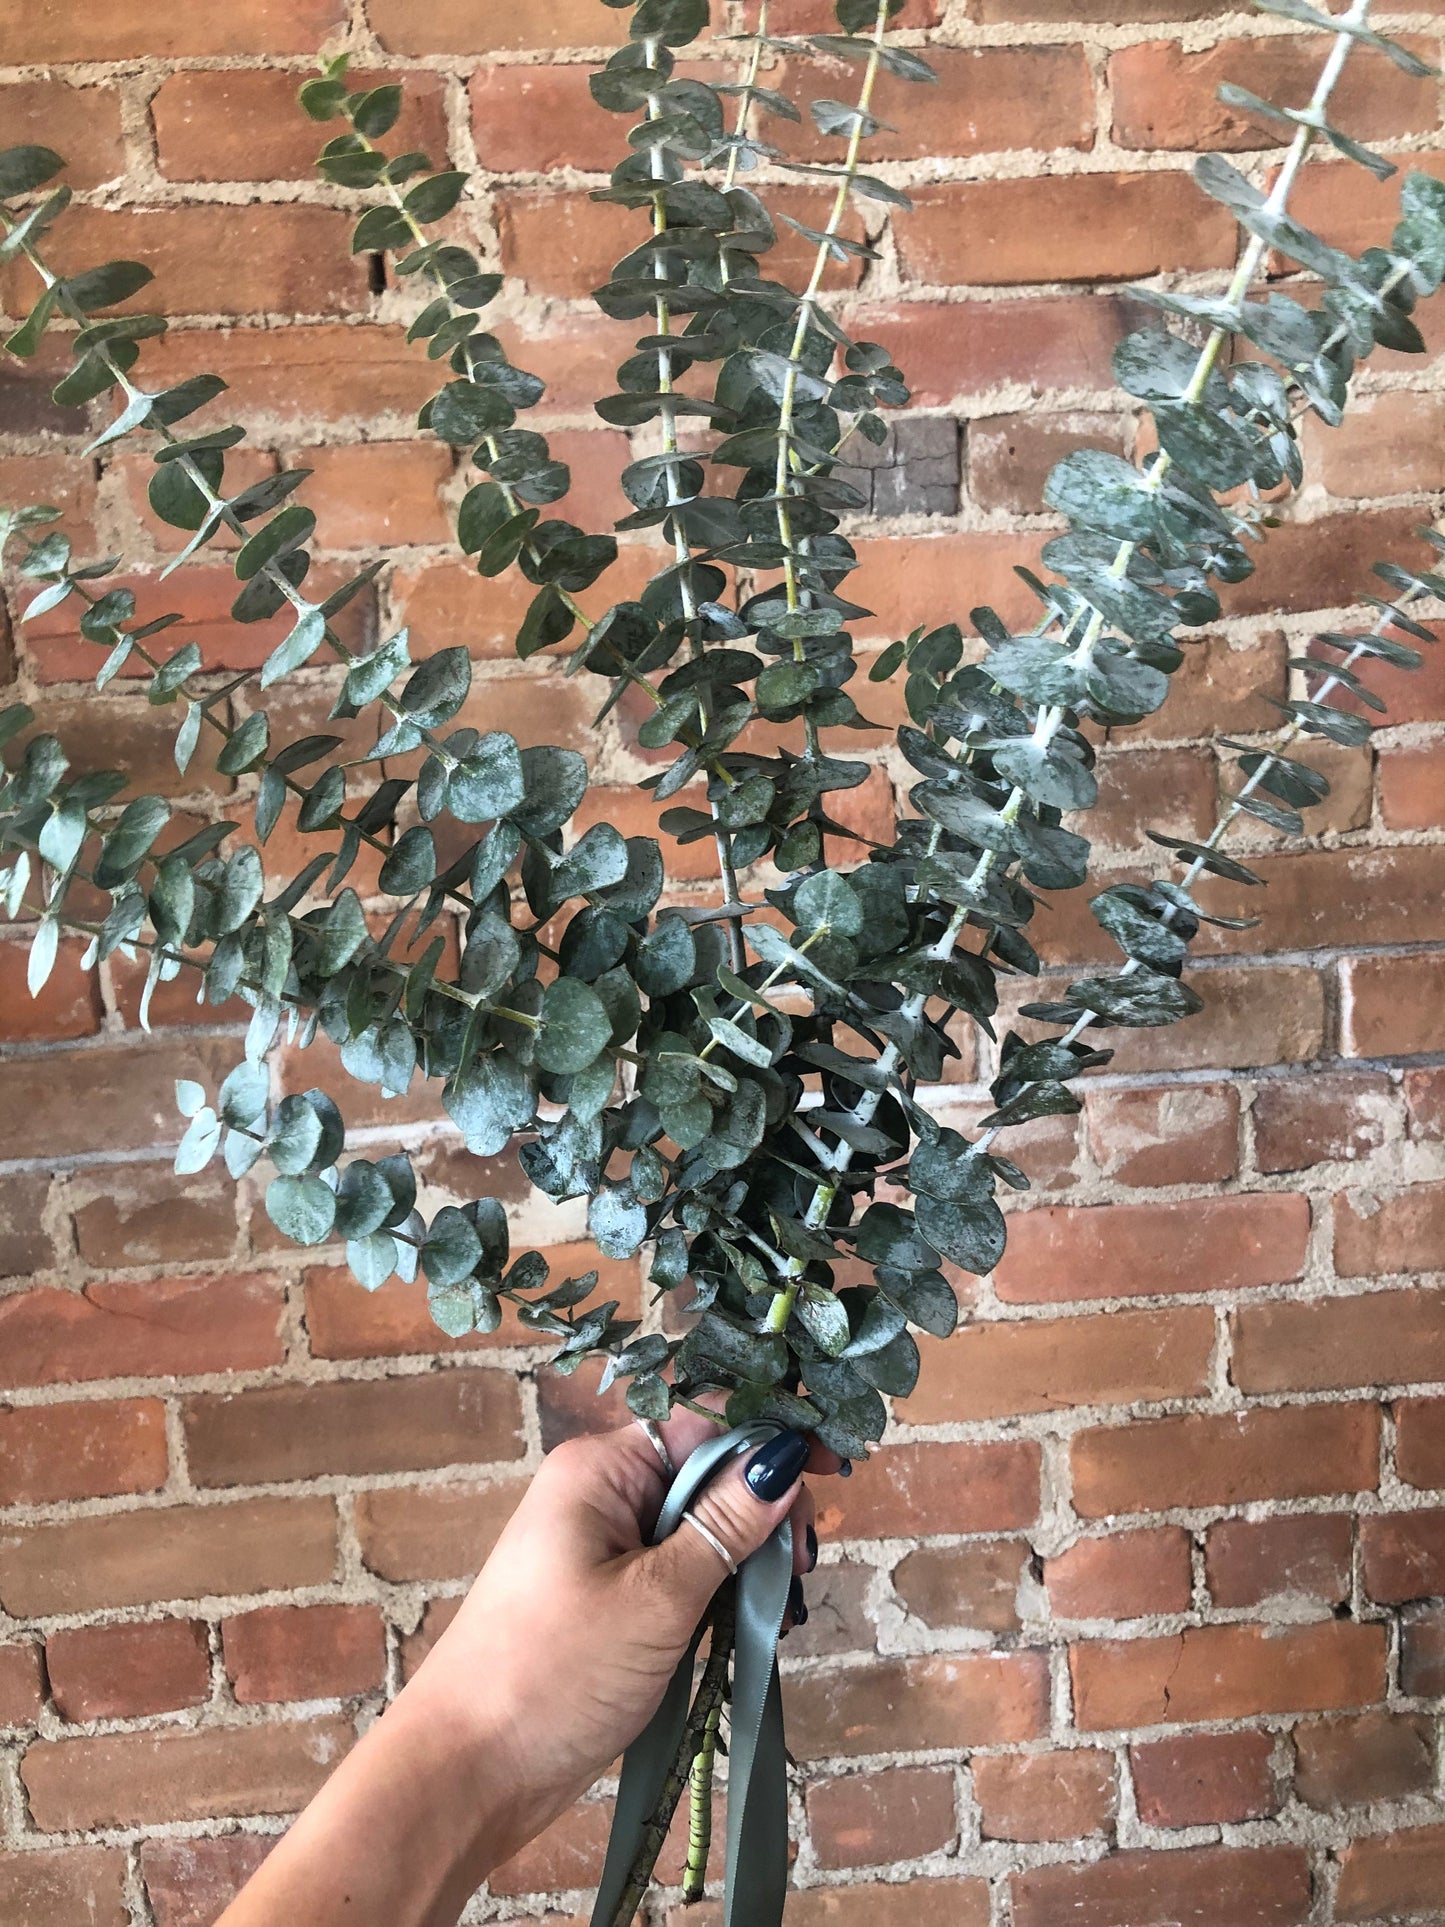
(756, 1880)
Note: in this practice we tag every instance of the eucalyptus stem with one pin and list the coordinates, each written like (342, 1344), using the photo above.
(706, 1710)
(699, 1829)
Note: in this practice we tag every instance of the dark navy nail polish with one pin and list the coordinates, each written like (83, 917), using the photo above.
(845, 1470)
(797, 1605)
(775, 1466)
(811, 1540)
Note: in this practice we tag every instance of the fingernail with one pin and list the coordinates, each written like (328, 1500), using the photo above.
(797, 1605)
(811, 1539)
(845, 1470)
(774, 1467)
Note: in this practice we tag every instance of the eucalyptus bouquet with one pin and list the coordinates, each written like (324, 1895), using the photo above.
(739, 1088)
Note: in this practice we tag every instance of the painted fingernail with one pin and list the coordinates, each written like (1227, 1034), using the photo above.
(797, 1605)
(811, 1540)
(774, 1467)
(845, 1470)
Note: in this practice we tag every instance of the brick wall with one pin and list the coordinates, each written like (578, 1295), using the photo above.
(1138, 1618)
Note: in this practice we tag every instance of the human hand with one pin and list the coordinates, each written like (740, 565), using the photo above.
(574, 1627)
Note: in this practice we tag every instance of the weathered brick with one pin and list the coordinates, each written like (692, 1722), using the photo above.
(1299, 1121)
(92, 1450)
(1068, 227)
(974, 1585)
(69, 1887)
(1403, 1233)
(912, 1903)
(1122, 1575)
(1329, 1344)
(129, 30)
(1203, 1779)
(1420, 1441)
(304, 1652)
(369, 495)
(872, 1818)
(1404, 1555)
(22, 1684)
(1205, 1886)
(476, 26)
(1063, 1252)
(190, 1883)
(1173, 1134)
(952, 349)
(435, 1532)
(244, 124)
(120, 1672)
(1045, 1796)
(1372, 1756)
(1227, 1673)
(357, 1426)
(1393, 1006)
(68, 1004)
(82, 123)
(1304, 1560)
(131, 1779)
(1422, 1651)
(25, 1244)
(157, 1327)
(108, 1098)
(304, 372)
(1167, 98)
(839, 1620)
(173, 1552)
(998, 1370)
(904, 1490)
(1199, 1460)
(1173, 791)
(1411, 782)
(901, 1704)
(1392, 1874)
(1010, 457)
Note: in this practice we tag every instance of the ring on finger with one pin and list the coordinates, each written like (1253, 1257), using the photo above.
(658, 1444)
(691, 1519)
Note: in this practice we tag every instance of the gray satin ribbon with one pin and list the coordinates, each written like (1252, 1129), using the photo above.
(757, 1882)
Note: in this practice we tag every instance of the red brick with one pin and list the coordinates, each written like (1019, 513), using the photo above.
(1250, 1016)
(1411, 695)
(1201, 1460)
(1203, 1886)
(1412, 782)
(1404, 1555)
(913, 1903)
(82, 123)
(355, 1426)
(1392, 1874)
(444, 599)
(1219, 690)
(245, 125)
(190, 1883)
(1038, 1365)
(305, 372)
(1106, 12)
(1068, 227)
(25, 1244)
(344, 1321)
(1251, 1562)
(1175, 1134)
(1374, 1756)
(1167, 98)
(476, 26)
(124, 731)
(1422, 1652)
(22, 1684)
(121, 1672)
(67, 1006)
(1393, 1006)
(437, 1532)
(1300, 1121)
(128, 30)
(1063, 1252)
(1420, 1441)
(1122, 1575)
(1350, 212)
(304, 1652)
(1329, 1344)
(1324, 564)
(173, 1552)
(922, 573)
(973, 1699)
(539, 119)
(159, 1327)
(1227, 1673)
(1405, 1233)
(370, 495)
(1045, 1796)
(1204, 1779)
(967, 348)
(266, 258)
(1387, 445)
(73, 1887)
(1173, 791)
(81, 1451)
(1010, 457)
(974, 1585)
(902, 1813)
(905, 1490)
(1425, 1100)
(132, 1779)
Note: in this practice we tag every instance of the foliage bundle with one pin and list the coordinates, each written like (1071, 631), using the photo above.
(742, 1089)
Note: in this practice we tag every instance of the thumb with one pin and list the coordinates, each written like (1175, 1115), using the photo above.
(740, 1508)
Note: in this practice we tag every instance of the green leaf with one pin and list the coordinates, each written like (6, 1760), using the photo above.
(301, 1208)
(452, 1249)
(199, 1145)
(23, 169)
(488, 1101)
(437, 688)
(287, 530)
(488, 781)
(44, 946)
(576, 1027)
(824, 1318)
(829, 902)
(375, 113)
(617, 1223)
(108, 285)
(412, 863)
(434, 198)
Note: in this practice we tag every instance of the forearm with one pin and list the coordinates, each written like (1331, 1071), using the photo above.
(401, 1835)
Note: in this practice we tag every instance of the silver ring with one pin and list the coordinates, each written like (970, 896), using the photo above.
(691, 1519)
(658, 1444)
